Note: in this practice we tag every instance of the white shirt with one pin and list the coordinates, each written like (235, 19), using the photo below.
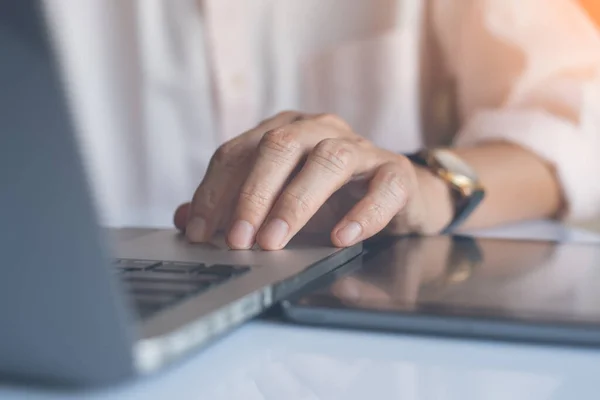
(157, 85)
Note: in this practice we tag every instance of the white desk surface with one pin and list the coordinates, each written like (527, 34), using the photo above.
(265, 360)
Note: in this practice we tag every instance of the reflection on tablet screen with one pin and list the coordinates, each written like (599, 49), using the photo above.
(461, 275)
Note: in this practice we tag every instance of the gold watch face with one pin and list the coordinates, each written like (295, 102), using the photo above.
(455, 164)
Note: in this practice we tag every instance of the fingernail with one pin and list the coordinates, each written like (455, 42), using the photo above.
(196, 230)
(241, 235)
(348, 234)
(274, 234)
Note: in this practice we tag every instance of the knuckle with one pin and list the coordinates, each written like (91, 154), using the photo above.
(280, 143)
(229, 155)
(378, 214)
(362, 142)
(394, 184)
(404, 164)
(298, 202)
(287, 114)
(205, 198)
(334, 155)
(256, 197)
(332, 119)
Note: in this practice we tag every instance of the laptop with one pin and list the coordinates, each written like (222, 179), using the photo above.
(81, 305)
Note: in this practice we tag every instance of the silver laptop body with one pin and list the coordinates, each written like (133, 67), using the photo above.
(67, 314)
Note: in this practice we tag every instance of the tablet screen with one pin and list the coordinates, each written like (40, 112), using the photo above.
(459, 275)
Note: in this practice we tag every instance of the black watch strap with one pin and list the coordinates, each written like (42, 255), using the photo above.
(463, 206)
(416, 158)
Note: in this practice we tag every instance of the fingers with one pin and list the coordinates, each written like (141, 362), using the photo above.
(388, 194)
(279, 154)
(355, 291)
(396, 283)
(221, 181)
(226, 172)
(181, 216)
(255, 176)
(329, 166)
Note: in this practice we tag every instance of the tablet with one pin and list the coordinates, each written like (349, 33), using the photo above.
(537, 291)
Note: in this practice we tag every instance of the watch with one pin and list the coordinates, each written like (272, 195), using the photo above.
(464, 258)
(465, 189)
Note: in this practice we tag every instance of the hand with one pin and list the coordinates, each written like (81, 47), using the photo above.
(296, 170)
(397, 275)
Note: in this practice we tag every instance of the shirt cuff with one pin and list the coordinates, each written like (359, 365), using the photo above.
(570, 148)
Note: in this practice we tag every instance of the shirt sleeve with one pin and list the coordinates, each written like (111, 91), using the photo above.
(528, 72)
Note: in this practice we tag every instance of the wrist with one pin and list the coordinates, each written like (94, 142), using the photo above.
(451, 189)
(436, 199)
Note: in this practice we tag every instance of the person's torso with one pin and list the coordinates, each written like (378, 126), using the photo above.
(159, 84)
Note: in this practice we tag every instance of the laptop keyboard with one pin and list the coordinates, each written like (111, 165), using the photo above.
(154, 285)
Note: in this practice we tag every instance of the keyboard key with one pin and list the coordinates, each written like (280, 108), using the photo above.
(154, 285)
(135, 265)
(165, 287)
(182, 268)
(224, 270)
(154, 299)
(168, 277)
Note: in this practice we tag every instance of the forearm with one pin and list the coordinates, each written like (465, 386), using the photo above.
(520, 82)
(519, 186)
